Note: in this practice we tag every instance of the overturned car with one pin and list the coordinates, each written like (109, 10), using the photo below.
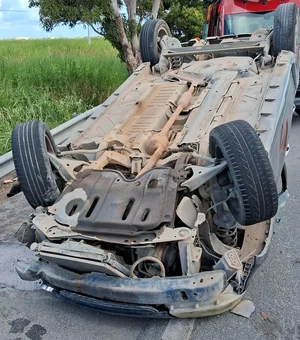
(164, 203)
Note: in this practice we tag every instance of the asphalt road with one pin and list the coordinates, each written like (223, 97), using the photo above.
(28, 313)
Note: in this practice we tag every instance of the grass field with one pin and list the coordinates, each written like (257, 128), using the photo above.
(50, 80)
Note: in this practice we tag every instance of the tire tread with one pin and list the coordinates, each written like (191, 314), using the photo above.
(250, 169)
(148, 38)
(285, 21)
(32, 163)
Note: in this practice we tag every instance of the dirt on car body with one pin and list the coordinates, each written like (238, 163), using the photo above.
(164, 204)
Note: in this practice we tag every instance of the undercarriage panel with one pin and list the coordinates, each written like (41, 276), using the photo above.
(117, 205)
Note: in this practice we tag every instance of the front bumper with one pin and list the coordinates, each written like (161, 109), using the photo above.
(204, 294)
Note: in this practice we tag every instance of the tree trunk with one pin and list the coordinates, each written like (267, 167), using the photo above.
(131, 10)
(131, 61)
(155, 9)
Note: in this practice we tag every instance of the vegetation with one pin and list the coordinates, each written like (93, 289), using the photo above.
(50, 80)
(119, 21)
(106, 17)
(186, 18)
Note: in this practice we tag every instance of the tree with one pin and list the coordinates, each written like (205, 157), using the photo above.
(155, 9)
(119, 21)
(185, 17)
(105, 17)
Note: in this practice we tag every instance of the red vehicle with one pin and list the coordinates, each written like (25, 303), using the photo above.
(226, 17)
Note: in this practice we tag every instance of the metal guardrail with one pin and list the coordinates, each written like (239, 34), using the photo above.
(60, 134)
(6, 164)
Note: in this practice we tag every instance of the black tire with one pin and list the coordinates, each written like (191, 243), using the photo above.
(152, 31)
(30, 143)
(249, 171)
(285, 34)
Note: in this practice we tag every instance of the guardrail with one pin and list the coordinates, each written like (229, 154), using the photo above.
(60, 134)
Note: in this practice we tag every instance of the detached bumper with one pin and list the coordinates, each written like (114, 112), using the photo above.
(198, 295)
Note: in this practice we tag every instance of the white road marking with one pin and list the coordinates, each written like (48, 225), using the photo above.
(179, 329)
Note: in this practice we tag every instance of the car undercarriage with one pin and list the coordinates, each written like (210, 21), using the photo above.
(164, 204)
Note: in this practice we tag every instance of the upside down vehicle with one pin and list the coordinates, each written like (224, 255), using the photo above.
(163, 203)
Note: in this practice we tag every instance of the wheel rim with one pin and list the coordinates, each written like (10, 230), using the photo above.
(49, 145)
(51, 149)
(161, 33)
(226, 181)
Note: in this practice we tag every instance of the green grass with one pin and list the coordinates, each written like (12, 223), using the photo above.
(50, 80)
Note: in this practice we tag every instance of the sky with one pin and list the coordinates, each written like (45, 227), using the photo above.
(26, 23)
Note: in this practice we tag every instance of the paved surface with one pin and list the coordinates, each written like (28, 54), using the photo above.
(27, 313)
(5, 188)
